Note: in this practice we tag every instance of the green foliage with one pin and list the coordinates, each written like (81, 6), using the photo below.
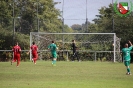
(76, 27)
(41, 15)
(23, 41)
(93, 28)
(67, 29)
(123, 26)
(25, 17)
(6, 39)
(5, 13)
(29, 14)
(104, 20)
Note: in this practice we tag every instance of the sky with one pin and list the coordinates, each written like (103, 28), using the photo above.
(76, 11)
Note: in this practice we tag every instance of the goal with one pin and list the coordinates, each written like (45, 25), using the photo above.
(96, 45)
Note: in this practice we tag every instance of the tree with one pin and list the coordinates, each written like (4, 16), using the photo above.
(104, 19)
(36, 15)
(93, 28)
(5, 13)
(76, 27)
(29, 16)
(123, 26)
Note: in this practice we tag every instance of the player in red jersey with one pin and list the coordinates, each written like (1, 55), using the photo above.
(16, 54)
(34, 50)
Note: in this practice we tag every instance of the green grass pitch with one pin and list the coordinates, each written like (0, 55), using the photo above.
(86, 74)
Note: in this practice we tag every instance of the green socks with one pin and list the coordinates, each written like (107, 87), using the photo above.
(54, 62)
(128, 70)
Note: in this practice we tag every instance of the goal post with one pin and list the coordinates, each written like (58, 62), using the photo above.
(86, 42)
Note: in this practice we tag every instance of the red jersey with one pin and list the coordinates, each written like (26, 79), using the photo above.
(16, 49)
(34, 49)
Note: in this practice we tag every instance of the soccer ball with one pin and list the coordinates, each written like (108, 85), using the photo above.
(113, 44)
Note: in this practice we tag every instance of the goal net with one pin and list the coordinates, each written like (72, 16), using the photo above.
(91, 46)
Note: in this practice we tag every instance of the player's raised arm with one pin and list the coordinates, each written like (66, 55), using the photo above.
(130, 43)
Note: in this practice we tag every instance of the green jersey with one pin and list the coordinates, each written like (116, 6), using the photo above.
(126, 53)
(52, 47)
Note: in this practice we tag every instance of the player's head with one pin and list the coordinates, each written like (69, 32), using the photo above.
(16, 43)
(53, 42)
(73, 41)
(126, 45)
(33, 43)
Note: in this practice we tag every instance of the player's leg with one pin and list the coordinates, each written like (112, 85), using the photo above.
(129, 71)
(76, 54)
(73, 56)
(35, 58)
(52, 58)
(54, 55)
(127, 63)
(18, 60)
(14, 59)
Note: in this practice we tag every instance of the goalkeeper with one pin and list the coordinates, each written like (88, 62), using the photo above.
(74, 49)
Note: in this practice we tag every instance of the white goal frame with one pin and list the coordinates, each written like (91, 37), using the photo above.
(44, 33)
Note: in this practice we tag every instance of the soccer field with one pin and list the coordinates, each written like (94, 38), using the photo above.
(86, 74)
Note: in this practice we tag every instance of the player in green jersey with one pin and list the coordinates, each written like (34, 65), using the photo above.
(126, 56)
(53, 48)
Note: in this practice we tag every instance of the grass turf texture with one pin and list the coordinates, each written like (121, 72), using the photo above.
(65, 75)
